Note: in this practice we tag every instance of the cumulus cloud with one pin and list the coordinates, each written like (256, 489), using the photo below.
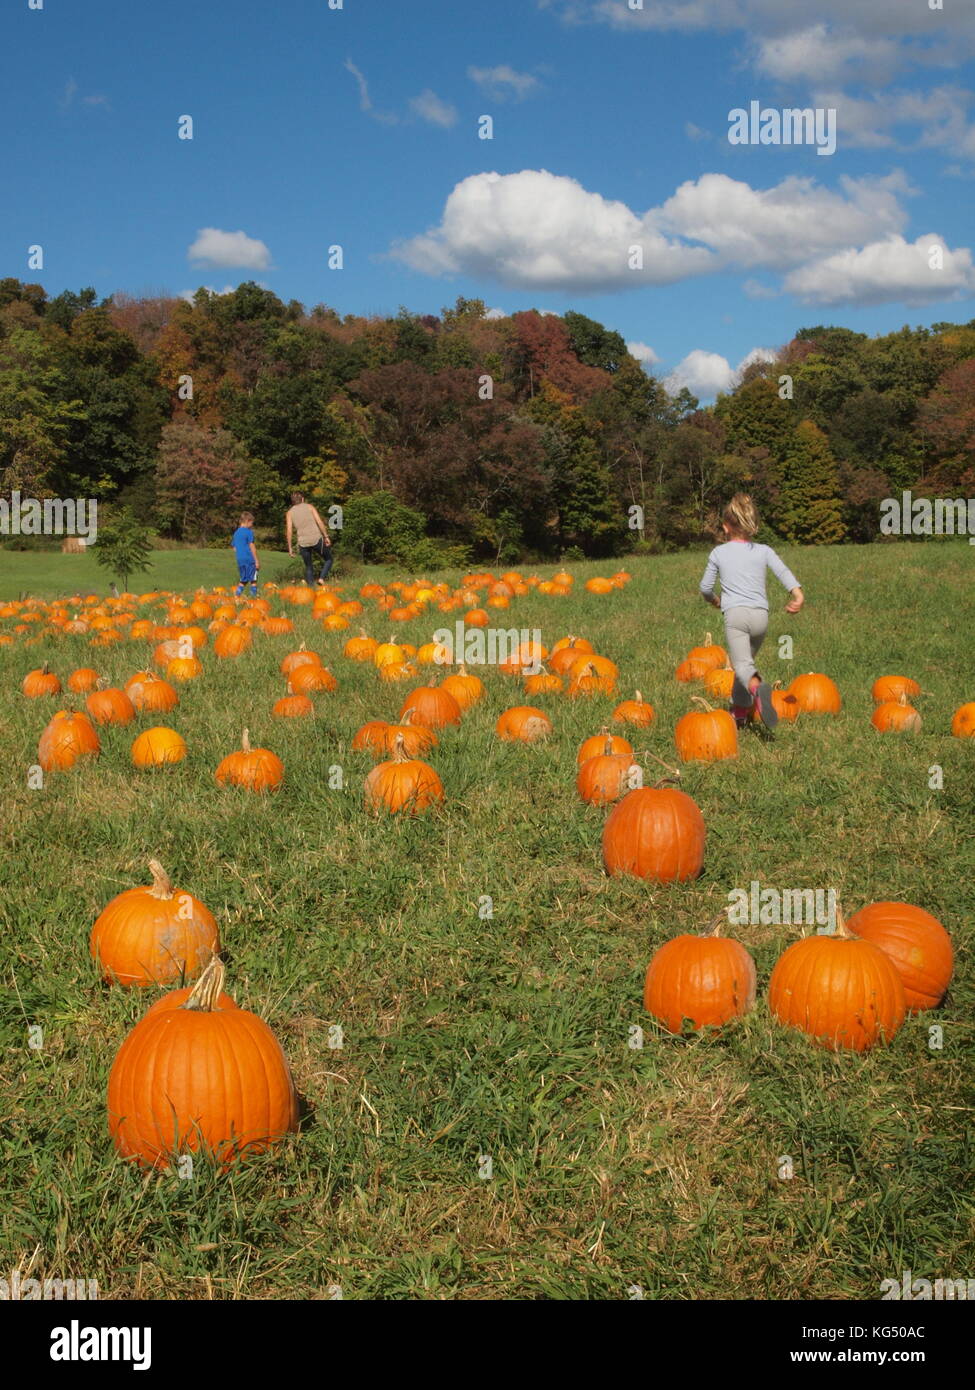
(495, 314)
(819, 54)
(940, 115)
(919, 272)
(216, 248)
(643, 353)
(504, 81)
(429, 107)
(706, 373)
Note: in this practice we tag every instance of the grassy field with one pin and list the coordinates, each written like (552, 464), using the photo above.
(508, 1037)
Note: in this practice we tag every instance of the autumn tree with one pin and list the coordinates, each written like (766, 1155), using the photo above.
(200, 480)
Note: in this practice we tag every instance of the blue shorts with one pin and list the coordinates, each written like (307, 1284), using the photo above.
(248, 572)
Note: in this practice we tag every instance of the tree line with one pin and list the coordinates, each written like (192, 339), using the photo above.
(458, 437)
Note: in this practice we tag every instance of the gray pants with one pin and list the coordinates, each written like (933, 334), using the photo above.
(745, 630)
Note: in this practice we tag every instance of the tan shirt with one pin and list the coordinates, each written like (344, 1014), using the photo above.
(306, 527)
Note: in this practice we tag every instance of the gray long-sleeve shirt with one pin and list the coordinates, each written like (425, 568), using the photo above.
(741, 566)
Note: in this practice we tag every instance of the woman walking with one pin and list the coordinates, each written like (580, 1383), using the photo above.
(313, 539)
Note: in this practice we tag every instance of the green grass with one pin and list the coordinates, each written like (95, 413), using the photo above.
(508, 1037)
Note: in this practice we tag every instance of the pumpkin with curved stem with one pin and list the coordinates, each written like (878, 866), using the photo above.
(963, 721)
(896, 716)
(43, 681)
(595, 746)
(107, 705)
(893, 687)
(591, 675)
(69, 736)
(655, 833)
(710, 653)
(154, 935)
(705, 981)
(416, 737)
(311, 680)
(431, 706)
(157, 747)
(200, 1077)
(149, 692)
(233, 641)
(706, 735)
(292, 706)
(301, 657)
(917, 945)
(392, 671)
(604, 777)
(257, 769)
(402, 784)
(466, 688)
(840, 990)
(523, 724)
(82, 680)
(636, 711)
(816, 694)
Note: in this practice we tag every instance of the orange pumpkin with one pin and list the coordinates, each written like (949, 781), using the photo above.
(233, 641)
(595, 746)
(705, 981)
(41, 682)
(184, 668)
(655, 833)
(896, 716)
(107, 705)
(465, 688)
(893, 687)
(69, 736)
(566, 652)
(692, 669)
(839, 990)
(635, 711)
(416, 738)
(816, 694)
(431, 706)
(149, 692)
(785, 705)
(605, 776)
(158, 746)
(302, 657)
(712, 655)
(369, 737)
(523, 724)
(83, 680)
(918, 947)
(543, 683)
(402, 784)
(718, 682)
(963, 721)
(311, 679)
(706, 735)
(257, 769)
(361, 648)
(292, 706)
(200, 1077)
(154, 935)
(591, 675)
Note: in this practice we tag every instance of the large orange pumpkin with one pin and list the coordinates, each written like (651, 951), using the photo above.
(523, 724)
(705, 981)
(917, 944)
(656, 833)
(706, 735)
(402, 784)
(69, 736)
(839, 990)
(816, 693)
(154, 935)
(431, 706)
(257, 769)
(200, 1077)
(107, 705)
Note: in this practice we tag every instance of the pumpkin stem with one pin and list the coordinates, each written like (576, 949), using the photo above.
(162, 886)
(639, 698)
(697, 700)
(399, 748)
(608, 745)
(245, 741)
(101, 683)
(674, 771)
(841, 928)
(707, 639)
(713, 928)
(666, 781)
(206, 991)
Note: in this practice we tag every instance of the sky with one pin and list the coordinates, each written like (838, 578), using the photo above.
(609, 184)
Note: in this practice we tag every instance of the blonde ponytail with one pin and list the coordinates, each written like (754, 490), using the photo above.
(741, 515)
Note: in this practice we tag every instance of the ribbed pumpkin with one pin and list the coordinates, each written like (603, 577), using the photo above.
(369, 736)
(785, 705)
(704, 981)
(523, 724)
(840, 990)
(543, 683)
(148, 692)
(402, 784)
(301, 657)
(706, 735)
(416, 737)
(392, 672)
(595, 746)
(896, 716)
(465, 688)
(656, 833)
(158, 746)
(154, 935)
(566, 651)
(710, 653)
(917, 944)
(69, 736)
(692, 669)
(591, 675)
(636, 711)
(292, 706)
(184, 668)
(431, 706)
(718, 682)
(361, 648)
(312, 680)
(233, 641)
(200, 1077)
(604, 777)
(82, 680)
(41, 682)
(388, 653)
(963, 721)
(893, 687)
(257, 769)
(108, 705)
(816, 693)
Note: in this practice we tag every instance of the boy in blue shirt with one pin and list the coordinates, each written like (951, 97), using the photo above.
(246, 552)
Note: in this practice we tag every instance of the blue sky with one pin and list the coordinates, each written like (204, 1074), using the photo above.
(358, 126)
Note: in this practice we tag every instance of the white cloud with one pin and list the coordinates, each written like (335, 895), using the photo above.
(819, 54)
(887, 271)
(216, 248)
(706, 373)
(643, 353)
(429, 107)
(503, 81)
(190, 294)
(365, 100)
(495, 314)
(939, 115)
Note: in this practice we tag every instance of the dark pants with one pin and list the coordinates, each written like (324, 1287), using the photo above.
(324, 553)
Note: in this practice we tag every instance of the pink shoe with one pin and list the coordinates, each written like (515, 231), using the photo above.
(741, 713)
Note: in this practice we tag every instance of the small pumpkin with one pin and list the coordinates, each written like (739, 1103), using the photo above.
(785, 705)
(158, 746)
(705, 980)
(893, 687)
(69, 736)
(108, 705)
(301, 657)
(896, 716)
(361, 648)
(605, 777)
(82, 680)
(292, 706)
(543, 683)
(917, 944)
(963, 721)
(816, 694)
(312, 680)
(184, 668)
(566, 652)
(692, 669)
(369, 736)
(655, 833)
(591, 675)
(402, 784)
(431, 706)
(523, 724)
(154, 935)
(595, 746)
(840, 990)
(257, 769)
(233, 641)
(719, 681)
(198, 1076)
(706, 735)
(710, 653)
(148, 692)
(466, 688)
(36, 684)
(636, 711)
(416, 737)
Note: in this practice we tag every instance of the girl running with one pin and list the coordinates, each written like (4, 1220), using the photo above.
(740, 565)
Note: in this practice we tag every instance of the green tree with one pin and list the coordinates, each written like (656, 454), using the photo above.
(124, 547)
(379, 528)
(36, 413)
(809, 509)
